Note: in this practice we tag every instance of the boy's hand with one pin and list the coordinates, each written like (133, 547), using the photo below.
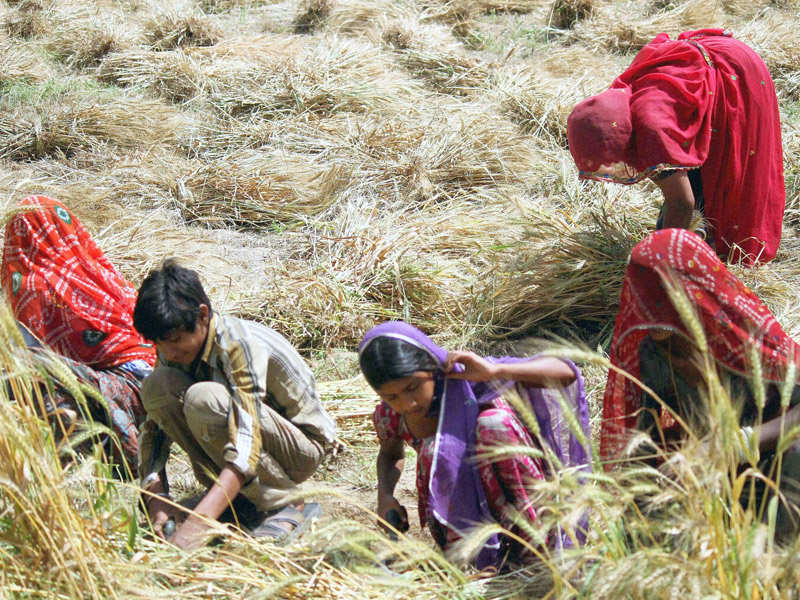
(191, 534)
(160, 512)
(394, 513)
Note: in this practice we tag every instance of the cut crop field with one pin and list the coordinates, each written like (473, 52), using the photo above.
(329, 164)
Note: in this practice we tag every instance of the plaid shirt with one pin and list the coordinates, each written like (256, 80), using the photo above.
(256, 364)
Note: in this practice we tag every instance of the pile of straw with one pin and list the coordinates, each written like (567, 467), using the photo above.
(611, 28)
(255, 189)
(570, 283)
(566, 13)
(775, 39)
(168, 30)
(65, 124)
(20, 62)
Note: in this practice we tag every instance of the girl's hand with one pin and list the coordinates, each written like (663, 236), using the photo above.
(394, 513)
(476, 368)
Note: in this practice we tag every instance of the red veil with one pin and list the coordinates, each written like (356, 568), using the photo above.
(706, 101)
(64, 289)
(733, 318)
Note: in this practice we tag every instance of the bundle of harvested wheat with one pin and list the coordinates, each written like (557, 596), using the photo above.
(173, 75)
(260, 189)
(167, 30)
(611, 29)
(311, 15)
(566, 13)
(27, 19)
(320, 78)
(536, 103)
(20, 62)
(82, 39)
(569, 283)
(63, 125)
(777, 41)
(446, 73)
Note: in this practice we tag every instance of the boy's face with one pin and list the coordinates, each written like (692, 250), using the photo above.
(183, 347)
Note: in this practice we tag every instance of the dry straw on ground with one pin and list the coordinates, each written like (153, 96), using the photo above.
(611, 28)
(168, 30)
(395, 160)
(566, 13)
(66, 124)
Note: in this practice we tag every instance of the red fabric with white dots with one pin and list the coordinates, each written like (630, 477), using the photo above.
(734, 321)
(705, 100)
(64, 289)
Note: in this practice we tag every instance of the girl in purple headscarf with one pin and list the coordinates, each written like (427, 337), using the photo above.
(450, 407)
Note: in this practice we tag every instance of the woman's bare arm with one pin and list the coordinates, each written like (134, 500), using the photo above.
(678, 200)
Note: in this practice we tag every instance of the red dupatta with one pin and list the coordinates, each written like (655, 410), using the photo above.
(732, 316)
(63, 288)
(706, 101)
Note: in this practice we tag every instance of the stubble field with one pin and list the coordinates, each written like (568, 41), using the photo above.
(329, 164)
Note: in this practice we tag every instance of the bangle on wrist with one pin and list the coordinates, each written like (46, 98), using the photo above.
(152, 495)
(746, 433)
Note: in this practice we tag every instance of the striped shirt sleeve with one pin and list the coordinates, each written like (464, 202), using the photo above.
(244, 363)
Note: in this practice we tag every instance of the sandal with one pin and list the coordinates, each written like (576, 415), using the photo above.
(274, 526)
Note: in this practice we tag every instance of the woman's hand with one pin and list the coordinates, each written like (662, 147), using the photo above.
(476, 368)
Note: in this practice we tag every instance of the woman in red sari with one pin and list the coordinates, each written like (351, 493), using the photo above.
(699, 116)
(652, 344)
(69, 298)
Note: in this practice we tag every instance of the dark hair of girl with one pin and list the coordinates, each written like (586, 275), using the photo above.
(387, 358)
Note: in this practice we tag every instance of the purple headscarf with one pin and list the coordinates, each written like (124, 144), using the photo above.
(457, 498)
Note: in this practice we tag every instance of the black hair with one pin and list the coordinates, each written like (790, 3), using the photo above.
(387, 358)
(169, 300)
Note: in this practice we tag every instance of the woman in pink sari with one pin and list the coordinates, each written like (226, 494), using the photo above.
(699, 116)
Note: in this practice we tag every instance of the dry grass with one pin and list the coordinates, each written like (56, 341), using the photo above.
(258, 190)
(312, 14)
(536, 105)
(776, 41)
(566, 13)
(398, 159)
(613, 30)
(565, 275)
(19, 62)
(172, 75)
(65, 125)
(169, 30)
(28, 19)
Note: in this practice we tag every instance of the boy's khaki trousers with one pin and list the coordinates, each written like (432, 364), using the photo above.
(195, 416)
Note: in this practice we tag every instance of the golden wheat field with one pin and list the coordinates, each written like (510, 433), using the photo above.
(329, 164)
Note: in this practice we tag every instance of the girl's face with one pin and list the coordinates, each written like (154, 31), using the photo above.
(410, 396)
